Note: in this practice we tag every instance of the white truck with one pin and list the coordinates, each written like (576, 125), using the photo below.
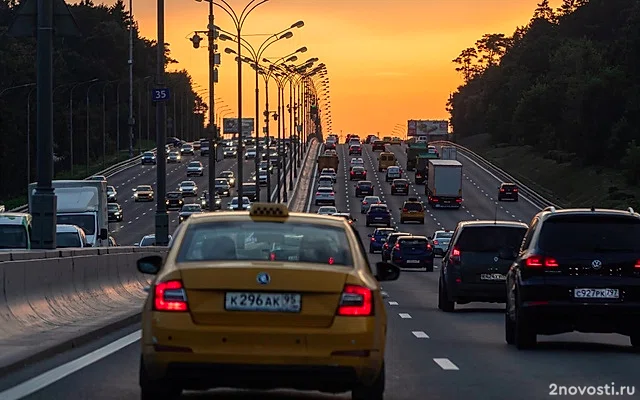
(444, 184)
(448, 153)
(82, 203)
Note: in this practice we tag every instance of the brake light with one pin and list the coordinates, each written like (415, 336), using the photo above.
(272, 256)
(373, 239)
(356, 301)
(352, 172)
(331, 261)
(170, 296)
(397, 246)
(404, 210)
(515, 189)
(455, 252)
(436, 242)
(428, 246)
(637, 266)
(540, 262)
(386, 246)
(502, 190)
(364, 202)
(317, 193)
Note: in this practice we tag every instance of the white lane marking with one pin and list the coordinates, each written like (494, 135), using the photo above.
(405, 316)
(393, 303)
(42, 381)
(420, 334)
(446, 364)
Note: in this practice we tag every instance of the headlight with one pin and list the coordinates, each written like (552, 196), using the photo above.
(135, 195)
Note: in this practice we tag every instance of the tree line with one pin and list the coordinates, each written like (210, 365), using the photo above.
(91, 77)
(565, 84)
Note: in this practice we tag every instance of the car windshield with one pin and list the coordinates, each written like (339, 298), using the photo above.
(400, 182)
(371, 199)
(391, 239)
(383, 232)
(413, 242)
(191, 207)
(111, 189)
(413, 206)
(173, 195)
(443, 235)
(148, 154)
(13, 237)
(248, 187)
(587, 234)
(490, 238)
(265, 241)
(188, 184)
(227, 174)
(245, 200)
(325, 190)
(327, 210)
(364, 184)
(358, 169)
(86, 222)
(378, 209)
(112, 207)
(222, 182)
(148, 241)
(144, 188)
(68, 239)
(195, 164)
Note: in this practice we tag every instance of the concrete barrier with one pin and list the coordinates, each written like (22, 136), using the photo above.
(52, 301)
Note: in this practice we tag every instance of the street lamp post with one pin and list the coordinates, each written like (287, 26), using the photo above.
(88, 124)
(161, 215)
(71, 119)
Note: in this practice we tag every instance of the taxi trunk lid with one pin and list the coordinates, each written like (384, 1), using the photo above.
(264, 294)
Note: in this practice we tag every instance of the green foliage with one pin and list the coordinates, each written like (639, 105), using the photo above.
(566, 85)
(100, 53)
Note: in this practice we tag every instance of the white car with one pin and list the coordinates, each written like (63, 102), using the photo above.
(195, 168)
(325, 181)
(329, 171)
(393, 173)
(233, 204)
(251, 153)
(188, 188)
(327, 210)
(325, 195)
(70, 236)
(356, 162)
(148, 240)
(230, 152)
(422, 139)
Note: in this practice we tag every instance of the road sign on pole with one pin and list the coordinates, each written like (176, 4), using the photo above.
(160, 94)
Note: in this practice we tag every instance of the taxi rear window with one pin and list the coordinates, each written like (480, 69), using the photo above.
(265, 241)
(413, 242)
(413, 206)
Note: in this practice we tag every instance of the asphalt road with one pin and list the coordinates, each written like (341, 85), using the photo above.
(430, 354)
(139, 217)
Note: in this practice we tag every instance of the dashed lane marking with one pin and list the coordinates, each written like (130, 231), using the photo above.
(405, 316)
(446, 364)
(393, 303)
(420, 334)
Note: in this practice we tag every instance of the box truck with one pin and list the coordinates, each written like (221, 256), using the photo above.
(444, 184)
(449, 153)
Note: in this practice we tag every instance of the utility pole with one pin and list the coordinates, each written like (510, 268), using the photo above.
(161, 95)
(213, 131)
(38, 16)
(131, 120)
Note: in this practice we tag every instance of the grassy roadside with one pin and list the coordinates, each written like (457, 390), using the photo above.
(80, 171)
(567, 184)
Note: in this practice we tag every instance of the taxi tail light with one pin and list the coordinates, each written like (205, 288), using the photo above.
(535, 261)
(170, 296)
(356, 301)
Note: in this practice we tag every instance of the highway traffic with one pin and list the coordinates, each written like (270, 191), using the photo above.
(430, 354)
(139, 216)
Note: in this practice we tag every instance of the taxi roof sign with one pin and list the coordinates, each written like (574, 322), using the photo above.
(269, 210)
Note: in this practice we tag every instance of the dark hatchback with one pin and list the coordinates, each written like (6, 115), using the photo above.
(357, 173)
(508, 191)
(115, 213)
(364, 188)
(379, 214)
(578, 270)
(413, 252)
(390, 242)
(400, 186)
(378, 238)
(250, 190)
(476, 264)
(174, 201)
(148, 158)
(378, 145)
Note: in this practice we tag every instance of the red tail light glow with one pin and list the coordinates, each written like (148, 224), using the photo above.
(170, 296)
(455, 252)
(428, 246)
(364, 202)
(386, 246)
(331, 261)
(637, 266)
(541, 262)
(397, 246)
(502, 190)
(404, 210)
(356, 301)
(272, 256)
(436, 242)
(373, 239)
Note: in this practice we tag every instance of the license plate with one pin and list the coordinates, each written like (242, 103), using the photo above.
(264, 302)
(585, 293)
(492, 277)
(413, 262)
(378, 218)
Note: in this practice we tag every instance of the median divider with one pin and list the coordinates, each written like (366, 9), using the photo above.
(54, 300)
(301, 187)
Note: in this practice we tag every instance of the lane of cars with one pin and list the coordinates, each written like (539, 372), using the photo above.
(433, 350)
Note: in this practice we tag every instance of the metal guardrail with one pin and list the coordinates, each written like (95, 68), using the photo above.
(108, 172)
(498, 173)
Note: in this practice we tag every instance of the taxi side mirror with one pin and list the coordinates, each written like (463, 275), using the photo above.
(386, 272)
(149, 265)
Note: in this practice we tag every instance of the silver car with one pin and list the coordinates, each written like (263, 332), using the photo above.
(188, 188)
(331, 172)
(325, 195)
(173, 157)
(440, 241)
(195, 168)
(367, 202)
(325, 181)
(223, 188)
(327, 210)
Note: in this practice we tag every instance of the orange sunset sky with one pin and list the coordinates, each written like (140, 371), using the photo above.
(388, 60)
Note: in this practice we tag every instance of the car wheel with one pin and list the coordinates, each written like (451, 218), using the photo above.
(509, 328)
(524, 336)
(156, 389)
(371, 391)
(444, 304)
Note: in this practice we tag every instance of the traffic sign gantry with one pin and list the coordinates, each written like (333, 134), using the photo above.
(160, 94)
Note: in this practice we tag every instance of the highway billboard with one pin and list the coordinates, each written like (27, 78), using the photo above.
(427, 127)
(230, 125)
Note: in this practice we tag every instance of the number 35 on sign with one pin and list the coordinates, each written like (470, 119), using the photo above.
(160, 94)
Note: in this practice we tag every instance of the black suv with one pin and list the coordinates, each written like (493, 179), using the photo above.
(250, 190)
(475, 266)
(577, 270)
(364, 188)
(508, 191)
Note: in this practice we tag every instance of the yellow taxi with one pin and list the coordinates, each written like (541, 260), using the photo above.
(264, 299)
(395, 140)
(386, 160)
(412, 210)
